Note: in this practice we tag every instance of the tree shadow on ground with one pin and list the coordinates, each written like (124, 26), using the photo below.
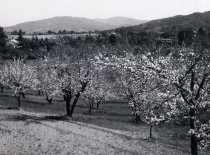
(9, 108)
(29, 118)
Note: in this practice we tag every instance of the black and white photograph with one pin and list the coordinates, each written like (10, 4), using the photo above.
(104, 77)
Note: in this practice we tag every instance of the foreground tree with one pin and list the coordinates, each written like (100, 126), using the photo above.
(18, 77)
(188, 72)
(74, 72)
(135, 84)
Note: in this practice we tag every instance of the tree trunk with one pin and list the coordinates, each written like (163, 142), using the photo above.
(137, 118)
(68, 97)
(150, 132)
(64, 97)
(19, 102)
(98, 103)
(2, 89)
(194, 144)
(90, 109)
(77, 98)
(74, 104)
(23, 94)
(91, 105)
(49, 100)
(39, 92)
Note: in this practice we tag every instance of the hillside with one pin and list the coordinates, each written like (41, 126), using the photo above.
(33, 133)
(175, 23)
(73, 24)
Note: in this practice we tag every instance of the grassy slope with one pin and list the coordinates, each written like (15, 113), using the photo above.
(112, 117)
(31, 133)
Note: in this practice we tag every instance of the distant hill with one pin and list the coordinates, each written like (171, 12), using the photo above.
(74, 24)
(174, 24)
(121, 21)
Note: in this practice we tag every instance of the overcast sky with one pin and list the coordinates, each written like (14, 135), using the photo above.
(16, 11)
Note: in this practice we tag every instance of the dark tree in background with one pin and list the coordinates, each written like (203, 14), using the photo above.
(22, 42)
(89, 39)
(186, 37)
(113, 39)
(50, 32)
(3, 38)
(201, 37)
(34, 43)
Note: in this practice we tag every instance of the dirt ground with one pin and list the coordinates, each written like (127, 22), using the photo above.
(28, 133)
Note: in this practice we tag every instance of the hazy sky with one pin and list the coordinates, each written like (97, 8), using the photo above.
(16, 11)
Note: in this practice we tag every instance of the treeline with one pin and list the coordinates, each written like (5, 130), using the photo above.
(186, 36)
(34, 47)
(29, 48)
(50, 32)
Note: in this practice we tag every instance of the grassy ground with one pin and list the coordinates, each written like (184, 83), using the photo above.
(34, 133)
(111, 117)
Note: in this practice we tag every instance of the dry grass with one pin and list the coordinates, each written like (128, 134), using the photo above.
(110, 116)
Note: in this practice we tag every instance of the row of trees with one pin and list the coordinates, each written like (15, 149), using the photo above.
(71, 76)
(33, 44)
(35, 48)
(49, 32)
(187, 36)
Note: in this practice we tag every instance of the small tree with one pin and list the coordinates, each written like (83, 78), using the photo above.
(23, 43)
(48, 80)
(95, 91)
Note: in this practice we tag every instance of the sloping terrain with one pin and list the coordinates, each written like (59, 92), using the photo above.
(175, 23)
(24, 132)
(60, 23)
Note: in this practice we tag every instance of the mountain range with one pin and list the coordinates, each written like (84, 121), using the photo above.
(174, 24)
(77, 24)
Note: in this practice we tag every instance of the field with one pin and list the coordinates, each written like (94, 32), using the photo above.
(52, 36)
(40, 128)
